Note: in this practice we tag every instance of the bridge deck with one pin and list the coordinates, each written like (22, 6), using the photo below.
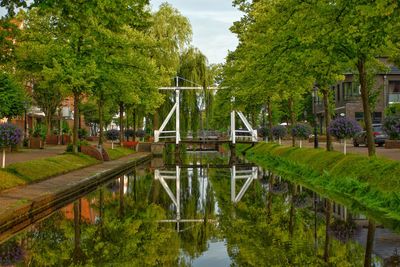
(208, 141)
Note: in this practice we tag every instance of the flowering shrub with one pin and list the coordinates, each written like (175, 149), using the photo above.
(279, 131)
(342, 128)
(301, 130)
(391, 125)
(263, 131)
(10, 135)
(140, 133)
(112, 134)
(129, 133)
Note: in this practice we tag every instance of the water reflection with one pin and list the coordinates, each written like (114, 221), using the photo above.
(204, 212)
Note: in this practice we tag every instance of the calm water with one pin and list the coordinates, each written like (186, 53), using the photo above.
(214, 214)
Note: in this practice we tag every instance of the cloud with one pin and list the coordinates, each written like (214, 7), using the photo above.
(211, 20)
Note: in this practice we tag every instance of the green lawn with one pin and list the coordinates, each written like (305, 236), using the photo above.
(119, 152)
(35, 170)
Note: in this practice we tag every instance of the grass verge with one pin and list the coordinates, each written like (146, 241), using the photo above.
(21, 173)
(119, 152)
(368, 185)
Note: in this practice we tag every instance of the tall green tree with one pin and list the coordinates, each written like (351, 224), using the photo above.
(12, 96)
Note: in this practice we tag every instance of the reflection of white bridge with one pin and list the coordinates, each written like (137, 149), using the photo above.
(248, 175)
(249, 133)
(163, 175)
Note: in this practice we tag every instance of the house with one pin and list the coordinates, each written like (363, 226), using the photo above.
(347, 95)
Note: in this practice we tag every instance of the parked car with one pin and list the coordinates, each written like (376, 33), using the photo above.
(379, 136)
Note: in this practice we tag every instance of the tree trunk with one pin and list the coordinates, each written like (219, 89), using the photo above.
(121, 123)
(76, 123)
(366, 107)
(328, 213)
(121, 196)
(269, 106)
(370, 243)
(48, 125)
(292, 118)
(269, 199)
(156, 120)
(134, 124)
(327, 112)
(77, 229)
(292, 211)
(101, 126)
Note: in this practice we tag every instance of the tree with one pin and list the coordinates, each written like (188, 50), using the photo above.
(343, 128)
(172, 32)
(12, 97)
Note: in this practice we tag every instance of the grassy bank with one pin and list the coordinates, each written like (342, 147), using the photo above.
(119, 152)
(21, 173)
(367, 185)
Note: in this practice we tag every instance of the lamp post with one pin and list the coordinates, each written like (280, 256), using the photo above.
(315, 91)
(26, 106)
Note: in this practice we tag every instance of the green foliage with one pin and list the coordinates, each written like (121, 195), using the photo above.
(40, 169)
(392, 109)
(12, 96)
(356, 181)
(40, 130)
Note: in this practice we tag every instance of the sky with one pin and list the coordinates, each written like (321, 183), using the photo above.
(211, 20)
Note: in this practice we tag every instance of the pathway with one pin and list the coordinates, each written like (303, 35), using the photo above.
(32, 154)
(393, 154)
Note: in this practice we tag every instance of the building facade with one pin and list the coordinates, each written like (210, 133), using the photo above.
(347, 96)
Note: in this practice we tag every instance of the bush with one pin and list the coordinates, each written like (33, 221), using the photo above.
(40, 130)
(82, 133)
(10, 135)
(391, 125)
(70, 148)
(301, 130)
(392, 109)
(140, 133)
(112, 134)
(263, 132)
(279, 131)
(129, 133)
(342, 128)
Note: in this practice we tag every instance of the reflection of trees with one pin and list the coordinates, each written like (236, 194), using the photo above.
(134, 239)
(258, 233)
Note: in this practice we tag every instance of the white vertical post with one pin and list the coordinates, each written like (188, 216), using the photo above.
(233, 127)
(178, 135)
(4, 158)
(344, 147)
(233, 180)
(178, 193)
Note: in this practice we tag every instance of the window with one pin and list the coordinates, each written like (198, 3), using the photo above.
(394, 86)
(377, 117)
(359, 116)
(351, 90)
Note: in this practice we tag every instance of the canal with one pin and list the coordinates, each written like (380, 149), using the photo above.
(206, 211)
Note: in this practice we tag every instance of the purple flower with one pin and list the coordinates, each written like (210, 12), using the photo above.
(279, 131)
(301, 130)
(10, 135)
(344, 128)
(112, 134)
(391, 125)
